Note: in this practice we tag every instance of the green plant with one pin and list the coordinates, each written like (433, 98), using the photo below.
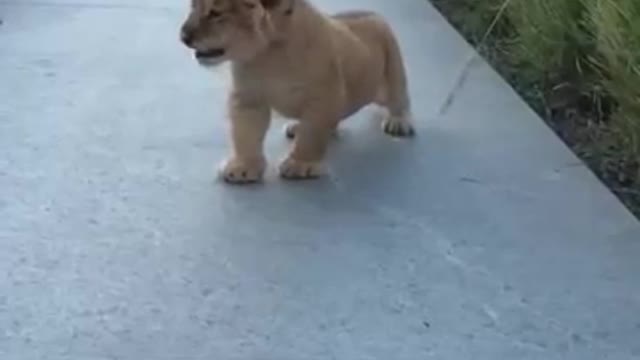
(577, 62)
(616, 28)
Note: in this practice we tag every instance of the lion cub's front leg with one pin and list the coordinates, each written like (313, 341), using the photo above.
(250, 120)
(305, 161)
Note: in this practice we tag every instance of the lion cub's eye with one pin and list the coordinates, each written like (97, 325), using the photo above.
(214, 14)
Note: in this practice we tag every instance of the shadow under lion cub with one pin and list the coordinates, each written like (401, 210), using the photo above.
(288, 56)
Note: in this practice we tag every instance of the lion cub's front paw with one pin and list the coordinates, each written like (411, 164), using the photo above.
(241, 171)
(398, 126)
(301, 170)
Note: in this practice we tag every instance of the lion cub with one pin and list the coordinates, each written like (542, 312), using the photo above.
(287, 56)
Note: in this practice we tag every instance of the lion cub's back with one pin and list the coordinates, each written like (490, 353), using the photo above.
(363, 22)
(354, 14)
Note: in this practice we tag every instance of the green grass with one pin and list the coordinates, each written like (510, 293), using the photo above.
(577, 62)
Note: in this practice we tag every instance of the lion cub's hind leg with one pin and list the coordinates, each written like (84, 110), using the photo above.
(393, 93)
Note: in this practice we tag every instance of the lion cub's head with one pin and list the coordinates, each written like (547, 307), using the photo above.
(220, 30)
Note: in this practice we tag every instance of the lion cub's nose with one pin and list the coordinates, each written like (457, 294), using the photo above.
(186, 36)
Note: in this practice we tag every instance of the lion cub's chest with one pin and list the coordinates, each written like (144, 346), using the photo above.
(283, 86)
(285, 95)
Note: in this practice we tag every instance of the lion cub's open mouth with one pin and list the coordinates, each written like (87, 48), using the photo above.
(210, 54)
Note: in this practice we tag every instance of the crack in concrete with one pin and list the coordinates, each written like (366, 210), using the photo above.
(458, 84)
(475, 55)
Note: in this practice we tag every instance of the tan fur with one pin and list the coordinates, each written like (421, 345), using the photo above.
(287, 56)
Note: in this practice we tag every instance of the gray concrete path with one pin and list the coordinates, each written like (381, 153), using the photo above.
(483, 238)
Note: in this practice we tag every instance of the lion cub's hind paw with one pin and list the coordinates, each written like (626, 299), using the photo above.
(398, 126)
(291, 128)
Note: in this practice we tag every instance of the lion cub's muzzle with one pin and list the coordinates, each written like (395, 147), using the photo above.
(188, 38)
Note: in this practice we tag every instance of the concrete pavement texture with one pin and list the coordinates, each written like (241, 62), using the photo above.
(482, 238)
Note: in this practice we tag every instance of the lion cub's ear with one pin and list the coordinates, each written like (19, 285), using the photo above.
(270, 4)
